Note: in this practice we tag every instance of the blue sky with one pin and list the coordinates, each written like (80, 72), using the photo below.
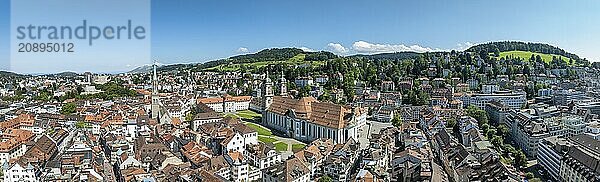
(196, 31)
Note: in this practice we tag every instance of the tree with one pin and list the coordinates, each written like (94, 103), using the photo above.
(509, 148)
(422, 99)
(503, 130)
(483, 54)
(485, 127)
(397, 121)
(532, 58)
(535, 180)
(325, 179)
(68, 108)
(304, 91)
(570, 61)
(526, 70)
(490, 133)
(81, 124)
(479, 114)
(43, 96)
(497, 52)
(451, 123)
(79, 89)
(520, 159)
(538, 59)
(189, 116)
(410, 98)
(529, 175)
(456, 127)
(497, 141)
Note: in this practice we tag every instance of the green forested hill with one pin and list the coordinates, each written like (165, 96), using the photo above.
(507, 47)
(265, 57)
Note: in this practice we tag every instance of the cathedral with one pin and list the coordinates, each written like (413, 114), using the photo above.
(264, 93)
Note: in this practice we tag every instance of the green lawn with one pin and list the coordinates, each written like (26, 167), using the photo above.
(231, 115)
(266, 139)
(297, 59)
(526, 55)
(281, 146)
(247, 114)
(297, 147)
(261, 130)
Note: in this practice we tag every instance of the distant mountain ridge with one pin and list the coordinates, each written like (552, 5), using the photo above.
(10, 74)
(390, 56)
(282, 54)
(141, 69)
(65, 74)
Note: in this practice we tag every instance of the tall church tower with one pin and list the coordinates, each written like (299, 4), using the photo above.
(282, 86)
(155, 100)
(268, 89)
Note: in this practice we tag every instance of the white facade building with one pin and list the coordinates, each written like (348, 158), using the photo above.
(19, 173)
(204, 118)
(239, 166)
(384, 114)
(593, 130)
(233, 143)
(13, 151)
(489, 88)
(514, 100)
(262, 155)
(227, 103)
(573, 125)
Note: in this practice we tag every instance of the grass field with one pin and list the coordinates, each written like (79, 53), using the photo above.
(526, 55)
(266, 136)
(247, 114)
(266, 139)
(281, 146)
(297, 59)
(261, 130)
(231, 115)
(297, 147)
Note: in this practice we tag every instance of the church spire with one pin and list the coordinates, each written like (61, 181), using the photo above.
(155, 100)
(154, 79)
(283, 85)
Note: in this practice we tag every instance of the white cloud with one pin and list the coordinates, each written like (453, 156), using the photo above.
(242, 50)
(306, 49)
(366, 47)
(337, 48)
(464, 46)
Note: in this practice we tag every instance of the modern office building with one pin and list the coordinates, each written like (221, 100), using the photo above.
(550, 153)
